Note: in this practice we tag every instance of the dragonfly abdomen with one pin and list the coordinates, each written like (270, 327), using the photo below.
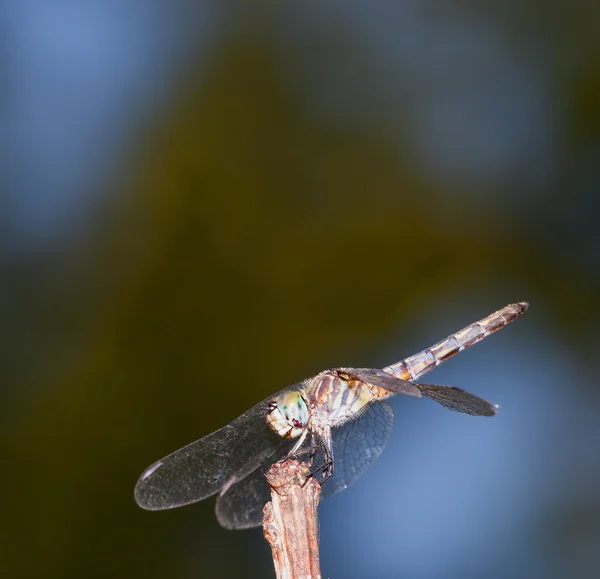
(414, 366)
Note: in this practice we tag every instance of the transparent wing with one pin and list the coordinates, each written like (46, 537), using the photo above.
(459, 400)
(448, 396)
(380, 378)
(204, 467)
(357, 444)
(240, 506)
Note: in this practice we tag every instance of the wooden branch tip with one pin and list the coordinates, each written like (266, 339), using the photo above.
(290, 521)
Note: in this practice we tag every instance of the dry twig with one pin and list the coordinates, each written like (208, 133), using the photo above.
(290, 523)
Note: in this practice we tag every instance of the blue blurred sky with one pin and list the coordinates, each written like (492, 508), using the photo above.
(82, 78)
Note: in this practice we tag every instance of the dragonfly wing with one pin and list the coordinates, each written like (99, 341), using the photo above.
(457, 399)
(357, 444)
(240, 505)
(381, 379)
(202, 468)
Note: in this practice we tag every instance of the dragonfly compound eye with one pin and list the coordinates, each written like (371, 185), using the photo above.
(289, 415)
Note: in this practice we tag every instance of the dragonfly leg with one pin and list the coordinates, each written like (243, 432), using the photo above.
(297, 449)
(326, 470)
(300, 453)
(326, 467)
(298, 444)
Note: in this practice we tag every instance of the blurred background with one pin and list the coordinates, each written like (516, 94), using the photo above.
(203, 202)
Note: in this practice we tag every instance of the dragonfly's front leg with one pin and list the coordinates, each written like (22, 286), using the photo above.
(294, 451)
(298, 451)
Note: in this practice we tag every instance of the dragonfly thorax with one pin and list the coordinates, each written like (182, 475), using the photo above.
(289, 414)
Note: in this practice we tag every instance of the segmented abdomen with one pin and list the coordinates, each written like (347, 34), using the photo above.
(414, 366)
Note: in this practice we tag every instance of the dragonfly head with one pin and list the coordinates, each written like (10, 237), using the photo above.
(288, 414)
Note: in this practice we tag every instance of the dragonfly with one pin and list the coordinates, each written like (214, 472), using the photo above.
(338, 418)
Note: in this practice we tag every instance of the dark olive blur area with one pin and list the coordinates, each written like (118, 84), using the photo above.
(206, 202)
